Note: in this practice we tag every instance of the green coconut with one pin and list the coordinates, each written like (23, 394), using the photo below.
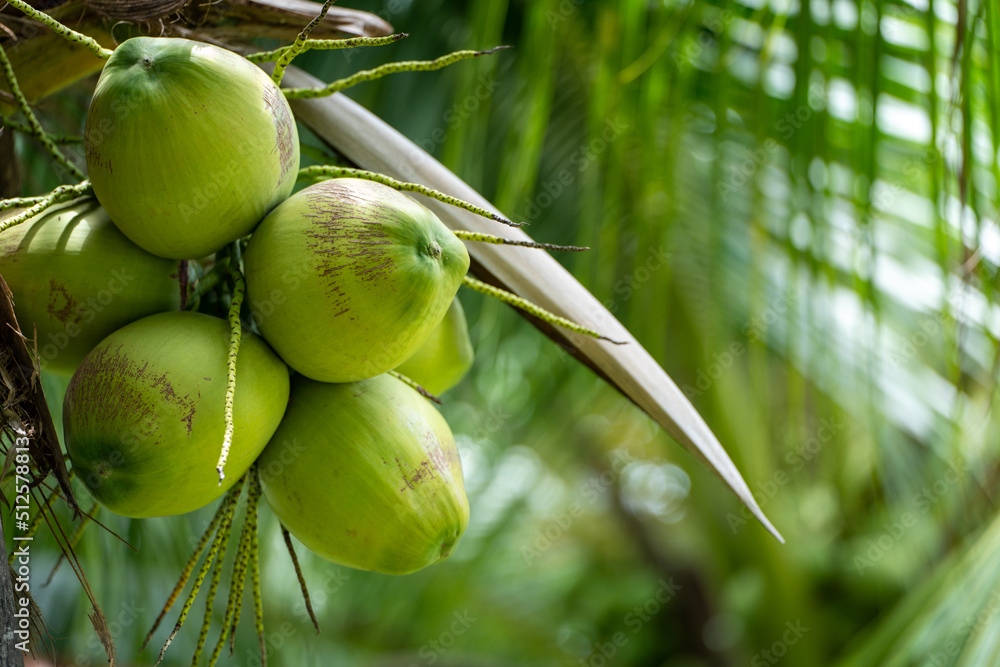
(188, 145)
(144, 413)
(445, 357)
(347, 278)
(75, 279)
(366, 475)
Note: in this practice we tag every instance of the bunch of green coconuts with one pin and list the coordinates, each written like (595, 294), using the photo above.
(193, 153)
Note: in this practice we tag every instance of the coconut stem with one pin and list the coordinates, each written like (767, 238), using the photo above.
(348, 172)
(235, 588)
(208, 282)
(413, 385)
(324, 45)
(61, 30)
(528, 307)
(225, 522)
(249, 534)
(213, 588)
(298, 46)
(258, 606)
(34, 125)
(384, 70)
(19, 202)
(235, 334)
(499, 240)
(74, 540)
(26, 129)
(186, 572)
(60, 194)
(298, 573)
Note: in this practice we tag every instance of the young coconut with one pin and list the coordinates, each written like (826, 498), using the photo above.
(366, 475)
(188, 145)
(76, 278)
(347, 278)
(445, 357)
(143, 415)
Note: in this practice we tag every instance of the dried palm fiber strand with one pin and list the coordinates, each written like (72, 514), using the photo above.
(135, 10)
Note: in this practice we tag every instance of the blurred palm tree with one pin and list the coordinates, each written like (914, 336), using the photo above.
(793, 205)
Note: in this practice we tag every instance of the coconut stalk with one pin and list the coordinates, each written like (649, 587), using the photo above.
(372, 144)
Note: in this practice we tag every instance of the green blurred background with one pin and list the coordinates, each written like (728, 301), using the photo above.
(793, 205)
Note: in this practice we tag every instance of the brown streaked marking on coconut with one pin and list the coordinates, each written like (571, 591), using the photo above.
(96, 159)
(284, 128)
(422, 472)
(347, 242)
(102, 382)
(99, 383)
(61, 309)
(406, 479)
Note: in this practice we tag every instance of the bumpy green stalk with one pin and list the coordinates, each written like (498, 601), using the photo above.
(236, 332)
(206, 623)
(225, 515)
(413, 385)
(258, 606)
(61, 30)
(26, 129)
(325, 45)
(298, 573)
(499, 240)
(36, 127)
(528, 307)
(320, 171)
(19, 202)
(235, 590)
(250, 535)
(384, 70)
(298, 46)
(59, 195)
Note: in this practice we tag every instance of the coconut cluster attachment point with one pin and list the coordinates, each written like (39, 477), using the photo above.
(225, 335)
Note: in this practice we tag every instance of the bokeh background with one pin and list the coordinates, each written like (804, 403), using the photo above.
(793, 205)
